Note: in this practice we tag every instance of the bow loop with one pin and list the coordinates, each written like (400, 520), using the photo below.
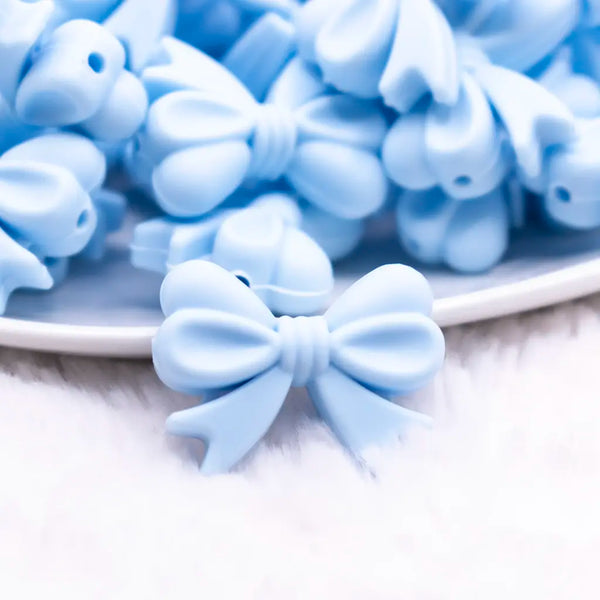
(190, 118)
(395, 352)
(343, 180)
(342, 119)
(219, 290)
(354, 43)
(388, 289)
(209, 349)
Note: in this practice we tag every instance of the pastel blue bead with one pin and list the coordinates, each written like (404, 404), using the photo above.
(45, 204)
(207, 143)
(139, 25)
(281, 264)
(400, 51)
(72, 75)
(261, 244)
(377, 336)
(458, 148)
(46, 210)
(469, 236)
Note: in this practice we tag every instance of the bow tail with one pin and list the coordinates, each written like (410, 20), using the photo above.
(233, 424)
(359, 417)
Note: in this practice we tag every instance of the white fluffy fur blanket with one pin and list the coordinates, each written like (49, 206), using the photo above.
(501, 500)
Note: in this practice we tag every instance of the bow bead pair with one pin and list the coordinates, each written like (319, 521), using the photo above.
(261, 244)
(376, 341)
(206, 143)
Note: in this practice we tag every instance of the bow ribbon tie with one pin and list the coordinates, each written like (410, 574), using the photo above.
(218, 338)
(205, 143)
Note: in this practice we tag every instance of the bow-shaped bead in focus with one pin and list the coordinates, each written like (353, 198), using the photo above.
(375, 342)
(205, 143)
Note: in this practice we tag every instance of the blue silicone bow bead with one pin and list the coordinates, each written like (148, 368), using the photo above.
(206, 144)
(501, 121)
(72, 75)
(398, 50)
(262, 245)
(46, 209)
(376, 341)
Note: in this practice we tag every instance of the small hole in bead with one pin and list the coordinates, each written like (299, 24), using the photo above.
(463, 181)
(562, 194)
(96, 62)
(244, 280)
(83, 218)
(50, 261)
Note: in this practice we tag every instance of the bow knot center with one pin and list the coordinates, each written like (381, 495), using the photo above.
(273, 142)
(304, 347)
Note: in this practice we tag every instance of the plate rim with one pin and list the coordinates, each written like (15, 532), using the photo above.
(133, 342)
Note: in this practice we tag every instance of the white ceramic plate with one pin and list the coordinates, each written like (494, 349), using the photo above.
(111, 309)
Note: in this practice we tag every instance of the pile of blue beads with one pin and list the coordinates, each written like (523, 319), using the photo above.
(267, 134)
